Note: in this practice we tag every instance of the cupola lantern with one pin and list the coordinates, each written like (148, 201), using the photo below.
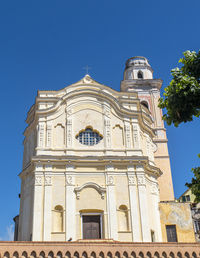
(138, 68)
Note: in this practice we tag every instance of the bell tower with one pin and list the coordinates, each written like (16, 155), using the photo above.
(138, 77)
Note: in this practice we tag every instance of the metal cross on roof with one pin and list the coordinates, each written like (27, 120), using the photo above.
(87, 68)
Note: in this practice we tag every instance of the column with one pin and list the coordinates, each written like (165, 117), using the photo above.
(155, 199)
(37, 203)
(111, 205)
(47, 203)
(70, 204)
(41, 134)
(127, 134)
(136, 137)
(134, 205)
(144, 212)
(49, 136)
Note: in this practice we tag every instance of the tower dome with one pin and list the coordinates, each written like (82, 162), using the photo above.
(138, 68)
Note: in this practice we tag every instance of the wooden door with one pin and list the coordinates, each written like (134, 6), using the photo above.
(91, 227)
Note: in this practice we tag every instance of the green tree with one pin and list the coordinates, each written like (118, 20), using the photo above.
(182, 101)
(182, 96)
(195, 184)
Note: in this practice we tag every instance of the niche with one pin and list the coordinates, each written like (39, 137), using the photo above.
(59, 138)
(58, 219)
(118, 136)
(123, 221)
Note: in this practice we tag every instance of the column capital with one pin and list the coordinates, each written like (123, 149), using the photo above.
(132, 180)
(48, 180)
(110, 180)
(38, 179)
(141, 180)
(69, 180)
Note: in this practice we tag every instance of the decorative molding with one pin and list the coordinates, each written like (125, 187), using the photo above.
(135, 136)
(98, 188)
(154, 189)
(41, 135)
(128, 136)
(141, 180)
(109, 167)
(69, 167)
(69, 132)
(38, 180)
(48, 167)
(39, 167)
(69, 180)
(48, 180)
(107, 133)
(87, 79)
(140, 168)
(110, 180)
(49, 135)
(132, 180)
(131, 168)
(106, 111)
(68, 111)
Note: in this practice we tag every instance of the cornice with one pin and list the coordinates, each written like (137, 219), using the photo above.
(98, 161)
(116, 103)
(154, 83)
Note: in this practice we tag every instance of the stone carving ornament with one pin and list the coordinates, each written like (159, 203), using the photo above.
(107, 129)
(49, 135)
(110, 180)
(41, 135)
(141, 180)
(69, 132)
(48, 180)
(128, 136)
(38, 180)
(69, 180)
(132, 180)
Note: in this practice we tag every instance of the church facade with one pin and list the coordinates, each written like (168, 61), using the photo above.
(96, 163)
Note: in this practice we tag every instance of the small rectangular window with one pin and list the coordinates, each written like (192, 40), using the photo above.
(187, 197)
(171, 233)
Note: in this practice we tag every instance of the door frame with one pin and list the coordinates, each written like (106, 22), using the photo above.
(91, 214)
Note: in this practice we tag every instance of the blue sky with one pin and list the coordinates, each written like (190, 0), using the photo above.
(45, 45)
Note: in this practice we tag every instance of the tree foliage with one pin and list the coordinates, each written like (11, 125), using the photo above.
(182, 96)
(182, 102)
(195, 184)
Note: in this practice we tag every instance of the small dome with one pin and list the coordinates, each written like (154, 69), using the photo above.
(138, 68)
(137, 61)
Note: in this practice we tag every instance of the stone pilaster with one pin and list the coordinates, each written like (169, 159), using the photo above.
(47, 203)
(37, 203)
(134, 205)
(111, 204)
(156, 199)
(70, 204)
(144, 212)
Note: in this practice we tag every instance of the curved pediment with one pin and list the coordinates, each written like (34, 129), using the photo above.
(101, 190)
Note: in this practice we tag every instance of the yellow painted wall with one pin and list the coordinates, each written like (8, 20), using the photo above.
(179, 214)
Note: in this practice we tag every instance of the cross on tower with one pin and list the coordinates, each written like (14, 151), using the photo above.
(86, 68)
